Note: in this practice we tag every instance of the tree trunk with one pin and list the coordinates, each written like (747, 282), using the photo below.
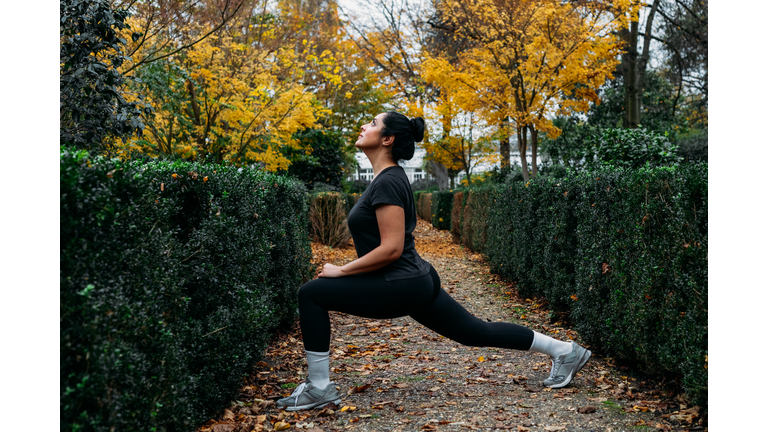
(504, 144)
(522, 145)
(441, 174)
(195, 113)
(534, 149)
(629, 66)
(644, 58)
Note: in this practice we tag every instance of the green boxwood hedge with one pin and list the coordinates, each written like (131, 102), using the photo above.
(625, 250)
(172, 277)
(457, 215)
(475, 227)
(442, 205)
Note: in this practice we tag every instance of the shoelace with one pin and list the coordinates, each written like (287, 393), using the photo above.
(299, 390)
(556, 363)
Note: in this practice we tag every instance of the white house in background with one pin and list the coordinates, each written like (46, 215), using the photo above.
(414, 168)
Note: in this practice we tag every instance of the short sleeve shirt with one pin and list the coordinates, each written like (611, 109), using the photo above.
(391, 186)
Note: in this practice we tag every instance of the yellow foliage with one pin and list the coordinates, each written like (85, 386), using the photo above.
(237, 95)
(534, 58)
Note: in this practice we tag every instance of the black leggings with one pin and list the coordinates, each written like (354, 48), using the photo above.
(422, 298)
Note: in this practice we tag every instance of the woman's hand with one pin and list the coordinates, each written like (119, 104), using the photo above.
(330, 271)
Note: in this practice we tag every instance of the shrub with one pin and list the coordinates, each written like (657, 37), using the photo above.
(625, 250)
(631, 148)
(424, 207)
(323, 164)
(93, 106)
(328, 218)
(457, 216)
(474, 232)
(173, 276)
(442, 203)
(693, 146)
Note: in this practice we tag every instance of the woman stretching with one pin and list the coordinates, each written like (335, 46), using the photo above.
(390, 280)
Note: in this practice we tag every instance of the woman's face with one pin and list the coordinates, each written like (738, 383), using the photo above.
(370, 133)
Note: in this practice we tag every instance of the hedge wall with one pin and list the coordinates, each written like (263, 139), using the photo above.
(624, 250)
(442, 205)
(424, 206)
(476, 208)
(457, 216)
(172, 277)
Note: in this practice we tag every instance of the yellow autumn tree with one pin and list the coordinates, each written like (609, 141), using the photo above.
(239, 94)
(552, 56)
(469, 126)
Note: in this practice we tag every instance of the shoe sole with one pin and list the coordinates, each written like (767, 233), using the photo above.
(312, 405)
(582, 362)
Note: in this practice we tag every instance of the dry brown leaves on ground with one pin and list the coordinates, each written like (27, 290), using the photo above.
(397, 375)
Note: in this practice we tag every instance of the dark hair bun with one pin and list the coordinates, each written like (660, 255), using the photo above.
(418, 128)
(406, 133)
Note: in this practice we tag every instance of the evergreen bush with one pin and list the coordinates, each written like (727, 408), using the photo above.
(474, 231)
(442, 205)
(424, 207)
(457, 216)
(173, 275)
(625, 250)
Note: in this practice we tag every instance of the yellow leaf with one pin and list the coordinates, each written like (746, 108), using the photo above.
(282, 425)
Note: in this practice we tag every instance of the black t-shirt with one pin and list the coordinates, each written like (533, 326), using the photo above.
(391, 186)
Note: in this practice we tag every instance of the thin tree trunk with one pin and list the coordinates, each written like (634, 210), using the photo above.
(644, 58)
(522, 137)
(534, 149)
(504, 144)
(629, 66)
(441, 174)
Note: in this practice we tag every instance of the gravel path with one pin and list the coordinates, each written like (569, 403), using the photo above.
(396, 375)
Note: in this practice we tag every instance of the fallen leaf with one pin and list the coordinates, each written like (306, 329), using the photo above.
(589, 409)
(554, 428)
(688, 418)
(362, 388)
(522, 429)
(282, 425)
(228, 415)
(481, 359)
(261, 419)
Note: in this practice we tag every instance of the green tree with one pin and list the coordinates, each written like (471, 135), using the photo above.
(92, 104)
(324, 164)
(630, 148)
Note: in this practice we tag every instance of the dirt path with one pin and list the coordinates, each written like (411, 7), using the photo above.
(397, 375)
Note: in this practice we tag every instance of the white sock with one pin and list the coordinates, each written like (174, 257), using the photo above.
(318, 368)
(549, 346)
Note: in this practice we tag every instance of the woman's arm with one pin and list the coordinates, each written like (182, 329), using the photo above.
(391, 221)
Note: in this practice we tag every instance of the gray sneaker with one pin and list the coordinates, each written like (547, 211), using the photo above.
(308, 396)
(564, 367)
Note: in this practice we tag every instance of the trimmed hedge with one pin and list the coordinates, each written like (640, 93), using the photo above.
(474, 230)
(424, 206)
(625, 250)
(172, 277)
(457, 216)
(442, 205)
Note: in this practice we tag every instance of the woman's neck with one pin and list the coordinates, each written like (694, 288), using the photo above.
(380, 161)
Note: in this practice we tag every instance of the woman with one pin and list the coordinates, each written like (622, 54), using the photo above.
(390, 280)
